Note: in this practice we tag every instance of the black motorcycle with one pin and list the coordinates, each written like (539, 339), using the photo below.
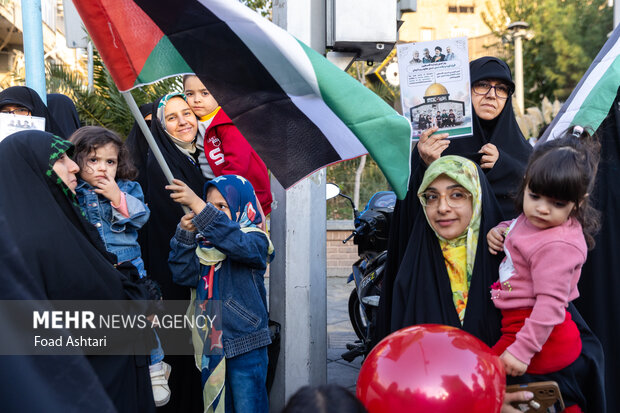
(371, 236)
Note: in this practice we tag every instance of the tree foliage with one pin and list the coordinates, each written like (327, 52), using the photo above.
(104, 106)
(261, 6)
(567, 36)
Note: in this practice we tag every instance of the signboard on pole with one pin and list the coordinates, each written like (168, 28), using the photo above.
(74, 28)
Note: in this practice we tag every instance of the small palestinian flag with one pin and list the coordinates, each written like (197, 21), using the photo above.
(297, 110)
(590, 101)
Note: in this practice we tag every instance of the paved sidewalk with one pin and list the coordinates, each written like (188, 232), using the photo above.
(339, 333)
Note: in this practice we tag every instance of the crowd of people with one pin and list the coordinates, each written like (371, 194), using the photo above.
(492, 237)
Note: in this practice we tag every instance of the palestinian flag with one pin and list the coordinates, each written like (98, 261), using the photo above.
(590, 101)
(298, 111)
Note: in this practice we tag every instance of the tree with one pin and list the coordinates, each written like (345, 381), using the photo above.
(105, 106)
(567, 36)
(261, 6)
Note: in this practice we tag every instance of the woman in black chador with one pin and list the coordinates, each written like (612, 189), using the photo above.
(63, 258)
(446, 272)
(155, 238)
(25, 97)
(497, 142)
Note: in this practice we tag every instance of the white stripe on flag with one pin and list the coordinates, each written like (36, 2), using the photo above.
(599, 68)
(280, 53)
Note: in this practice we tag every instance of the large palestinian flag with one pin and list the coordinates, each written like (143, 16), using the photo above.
(298, 111)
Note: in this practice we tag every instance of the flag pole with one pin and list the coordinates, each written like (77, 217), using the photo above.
(135, 111)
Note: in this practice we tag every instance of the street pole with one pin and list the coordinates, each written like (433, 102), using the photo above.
(519, 31)
(91, 84)
(519, 71)
(297, 276)
(33, 47)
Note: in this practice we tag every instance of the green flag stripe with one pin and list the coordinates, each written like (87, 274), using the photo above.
(164, 61)
(596, 105)
(382, 131)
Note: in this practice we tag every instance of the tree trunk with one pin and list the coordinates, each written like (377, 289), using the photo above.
(358, 180)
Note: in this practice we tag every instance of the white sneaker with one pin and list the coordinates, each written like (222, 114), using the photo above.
(159, 380)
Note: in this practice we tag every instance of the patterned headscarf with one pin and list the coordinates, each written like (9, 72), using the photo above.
(465, 173)
(60, 146)
(240, 197)
(161, 116)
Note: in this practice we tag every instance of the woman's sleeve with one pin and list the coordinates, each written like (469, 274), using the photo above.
(250, 248)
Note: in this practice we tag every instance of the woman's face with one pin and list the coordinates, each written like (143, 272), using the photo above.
(66, 169)
(180, 120)
(448, 221)
(488, 106)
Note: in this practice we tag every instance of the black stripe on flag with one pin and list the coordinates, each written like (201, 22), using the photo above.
(289, 143)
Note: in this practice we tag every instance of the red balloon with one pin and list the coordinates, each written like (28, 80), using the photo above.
(431, 368)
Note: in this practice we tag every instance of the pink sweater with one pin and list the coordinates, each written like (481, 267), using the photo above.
(540, 271)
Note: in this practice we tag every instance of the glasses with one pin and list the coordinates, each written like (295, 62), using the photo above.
(456, 198)
(501, 91)
(18, 111)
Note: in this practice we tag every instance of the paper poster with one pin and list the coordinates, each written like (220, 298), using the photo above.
(10, 123)
(434, 86)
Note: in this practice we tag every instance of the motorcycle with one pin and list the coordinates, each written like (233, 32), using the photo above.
(371, 237)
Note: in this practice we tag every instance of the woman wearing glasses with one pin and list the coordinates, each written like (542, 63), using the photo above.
(497, 140)
(446, 272)
(21, 100)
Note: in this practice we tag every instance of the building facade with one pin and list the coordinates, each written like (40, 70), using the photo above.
(12, 45)
(442, 19)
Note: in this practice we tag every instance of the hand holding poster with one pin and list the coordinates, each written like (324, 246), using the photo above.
(434, 86)
(10, 123)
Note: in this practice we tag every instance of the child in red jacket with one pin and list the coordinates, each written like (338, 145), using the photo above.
(224, 149)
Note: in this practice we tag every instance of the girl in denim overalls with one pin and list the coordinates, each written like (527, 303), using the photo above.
(114, 204)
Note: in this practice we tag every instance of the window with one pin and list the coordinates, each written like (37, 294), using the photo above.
(459, 32)
(48, 13)
(427, 34)
(457, 8)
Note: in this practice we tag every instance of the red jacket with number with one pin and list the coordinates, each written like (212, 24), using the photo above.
(229, 153)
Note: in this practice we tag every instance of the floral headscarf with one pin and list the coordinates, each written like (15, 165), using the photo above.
(465, 173)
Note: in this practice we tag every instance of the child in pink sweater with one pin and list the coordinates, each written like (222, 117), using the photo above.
(545, 247)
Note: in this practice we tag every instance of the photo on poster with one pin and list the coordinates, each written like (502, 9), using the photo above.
(434, 86)
(11, 123)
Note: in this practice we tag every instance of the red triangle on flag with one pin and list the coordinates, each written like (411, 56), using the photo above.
(125, 36)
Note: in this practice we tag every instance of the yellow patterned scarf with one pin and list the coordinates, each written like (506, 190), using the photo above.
(459, 253)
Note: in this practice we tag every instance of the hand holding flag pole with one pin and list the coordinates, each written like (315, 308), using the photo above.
(135, 111)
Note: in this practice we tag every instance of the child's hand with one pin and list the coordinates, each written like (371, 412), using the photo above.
(184, 195)
(513, 366)
(109, 188)
(186, 222)
(495, 239)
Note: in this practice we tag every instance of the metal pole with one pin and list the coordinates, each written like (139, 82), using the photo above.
(135, 111)
(297, 277)
(518, 36)
(33, 47)
(91, 86)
